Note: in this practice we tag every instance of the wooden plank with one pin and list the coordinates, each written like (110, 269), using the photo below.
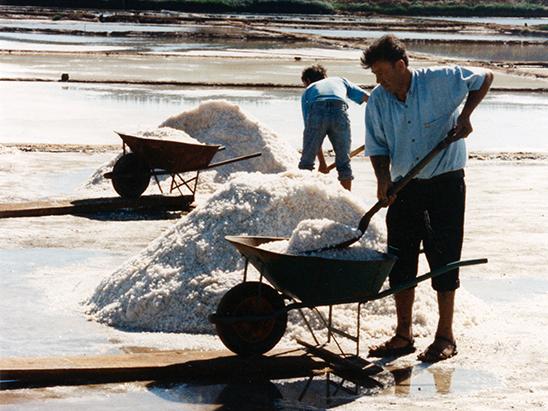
(182, 366)
(355, 369)
(95, 205)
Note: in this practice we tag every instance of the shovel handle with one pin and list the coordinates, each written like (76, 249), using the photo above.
(398, 185)
(353, 153)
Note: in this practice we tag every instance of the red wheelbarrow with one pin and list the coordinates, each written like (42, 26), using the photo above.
(152, 157)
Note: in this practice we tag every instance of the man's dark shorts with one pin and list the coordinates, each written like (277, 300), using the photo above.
(432, 212)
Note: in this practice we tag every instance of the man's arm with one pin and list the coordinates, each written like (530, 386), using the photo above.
(464, 127)
(381, 165)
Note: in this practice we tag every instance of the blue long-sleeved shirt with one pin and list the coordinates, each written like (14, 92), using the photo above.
(407, 131)
(330, 88)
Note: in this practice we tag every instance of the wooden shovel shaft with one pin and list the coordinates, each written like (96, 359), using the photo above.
(365, 220)
(398, 185)
(353, 153)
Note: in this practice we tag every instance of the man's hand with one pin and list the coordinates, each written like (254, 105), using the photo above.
(383, 187)
(462, 129)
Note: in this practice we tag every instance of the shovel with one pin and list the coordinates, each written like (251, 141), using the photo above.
(365, 220)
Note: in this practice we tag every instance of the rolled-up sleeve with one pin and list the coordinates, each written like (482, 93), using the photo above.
(473, 78)
(354, 92)
(375, 138)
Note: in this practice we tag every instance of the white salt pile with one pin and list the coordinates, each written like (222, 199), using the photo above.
(165, 133)
(315, 234)
(319, 233)
(179, 279)
(222, 123)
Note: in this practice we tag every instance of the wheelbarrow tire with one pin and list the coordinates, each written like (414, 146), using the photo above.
(130, 176)
(251, 337)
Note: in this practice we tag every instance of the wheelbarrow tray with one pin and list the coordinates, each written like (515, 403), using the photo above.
(173, 156)
(313, 280)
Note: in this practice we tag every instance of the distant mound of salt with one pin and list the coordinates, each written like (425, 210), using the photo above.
(220, 122)
(179, 279)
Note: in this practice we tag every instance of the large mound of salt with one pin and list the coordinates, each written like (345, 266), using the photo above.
(179, 279)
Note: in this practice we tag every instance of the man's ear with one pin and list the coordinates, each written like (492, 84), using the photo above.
(400, 66)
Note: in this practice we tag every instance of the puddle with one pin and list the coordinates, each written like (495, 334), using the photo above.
(505, 290)
(430, 381)
(325, 392)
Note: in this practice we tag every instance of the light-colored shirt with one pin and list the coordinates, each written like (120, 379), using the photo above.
(407, 131)
(330, 88)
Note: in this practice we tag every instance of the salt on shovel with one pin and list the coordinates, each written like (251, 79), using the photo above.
(364, 222)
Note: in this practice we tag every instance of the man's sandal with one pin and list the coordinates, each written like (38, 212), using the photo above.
(438, 350)
(385, 350)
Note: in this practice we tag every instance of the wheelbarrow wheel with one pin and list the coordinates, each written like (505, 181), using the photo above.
(130, 176)
(248, 337)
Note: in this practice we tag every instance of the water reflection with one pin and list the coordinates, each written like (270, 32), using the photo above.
(324, 392)
(428, 380)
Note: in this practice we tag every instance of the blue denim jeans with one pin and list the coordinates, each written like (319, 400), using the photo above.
(329, 118)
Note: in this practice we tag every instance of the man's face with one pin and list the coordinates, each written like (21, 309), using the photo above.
(389, 75)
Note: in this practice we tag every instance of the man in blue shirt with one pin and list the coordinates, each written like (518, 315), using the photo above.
(407, 115)
(324, 105)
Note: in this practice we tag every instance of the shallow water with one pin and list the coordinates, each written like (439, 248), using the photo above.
(483, 52)
(513, 21)
(416, 35)
(31, 313)
(88, 114)
(95, 27)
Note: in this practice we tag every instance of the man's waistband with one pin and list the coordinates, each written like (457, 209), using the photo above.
(440, 177)
(331, 104)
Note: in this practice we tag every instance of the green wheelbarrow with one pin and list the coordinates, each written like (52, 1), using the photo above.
(251, 317)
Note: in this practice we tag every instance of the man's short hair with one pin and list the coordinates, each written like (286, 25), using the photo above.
(387, 48)
(314, 73)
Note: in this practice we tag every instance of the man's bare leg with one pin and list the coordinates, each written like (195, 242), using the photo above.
(404, 311)
(446, 307)
(402, 342)
(347, 184)
(444, 345)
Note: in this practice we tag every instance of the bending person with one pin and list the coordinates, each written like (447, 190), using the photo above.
(324, 105)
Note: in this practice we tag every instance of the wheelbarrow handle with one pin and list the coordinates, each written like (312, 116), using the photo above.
(434, 273)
